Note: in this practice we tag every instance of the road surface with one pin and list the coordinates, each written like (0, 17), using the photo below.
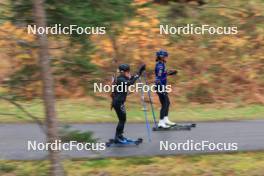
(248, 135)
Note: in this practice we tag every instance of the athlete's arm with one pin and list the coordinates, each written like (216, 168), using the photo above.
(127, 82)
(172, 72)
(134, 78)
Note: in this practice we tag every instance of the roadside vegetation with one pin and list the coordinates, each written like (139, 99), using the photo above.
(93, 111)
(242, 164)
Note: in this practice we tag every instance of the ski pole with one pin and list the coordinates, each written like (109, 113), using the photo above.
(145, 111)
(151, 102)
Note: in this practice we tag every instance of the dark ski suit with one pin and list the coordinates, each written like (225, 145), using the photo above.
(161, 82)
(119, 99)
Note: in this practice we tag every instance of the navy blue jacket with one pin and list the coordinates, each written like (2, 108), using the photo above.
(161, 74)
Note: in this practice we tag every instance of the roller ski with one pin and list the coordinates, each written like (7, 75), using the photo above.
(166, 125)
(123, 142)
(175, 127)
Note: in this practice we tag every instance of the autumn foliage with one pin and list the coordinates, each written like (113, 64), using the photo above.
(212, 69)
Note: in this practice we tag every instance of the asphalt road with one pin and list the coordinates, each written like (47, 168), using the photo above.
(248, 136)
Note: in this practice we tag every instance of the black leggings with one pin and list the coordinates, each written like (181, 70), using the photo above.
(121, 114)
(165, 104)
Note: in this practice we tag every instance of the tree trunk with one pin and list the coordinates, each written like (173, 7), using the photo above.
(116, 55)
(56, 168)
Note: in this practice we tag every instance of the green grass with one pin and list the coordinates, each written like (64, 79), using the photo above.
(242, 164)
(99, 111)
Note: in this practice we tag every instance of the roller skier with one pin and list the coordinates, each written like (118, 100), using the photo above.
(119, 98)
(161, 81)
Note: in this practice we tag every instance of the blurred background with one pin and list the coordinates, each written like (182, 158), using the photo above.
(215, 71)
(220, 77)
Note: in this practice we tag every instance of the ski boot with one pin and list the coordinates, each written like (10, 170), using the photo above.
(120, 139)
(168, 122)
(162, 124)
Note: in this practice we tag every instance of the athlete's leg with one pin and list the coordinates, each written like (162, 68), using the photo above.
(166, 118)
(163, 105)
(121, 114)
(167, 102)
(163, 110)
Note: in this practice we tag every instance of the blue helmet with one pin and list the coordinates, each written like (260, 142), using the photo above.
(162, 53)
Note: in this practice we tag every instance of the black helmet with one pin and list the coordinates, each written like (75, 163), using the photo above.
(124, 67)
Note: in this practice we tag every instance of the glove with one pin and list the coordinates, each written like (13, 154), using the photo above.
(172, 72)
(141, 69)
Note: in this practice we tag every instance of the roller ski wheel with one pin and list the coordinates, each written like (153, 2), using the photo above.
(138, 141)
(110, 142)
(193, 125)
